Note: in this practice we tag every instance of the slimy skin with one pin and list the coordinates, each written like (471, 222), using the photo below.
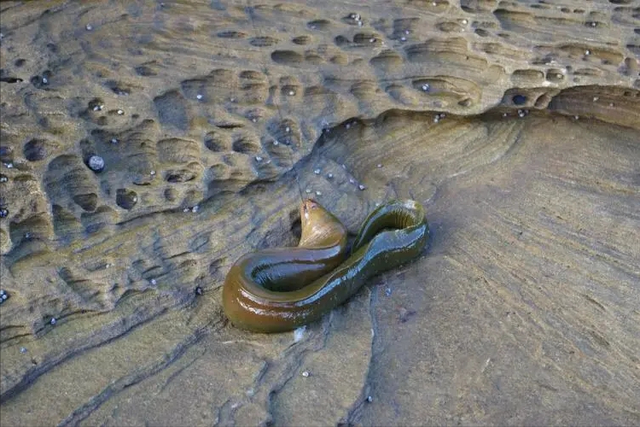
(280, 289)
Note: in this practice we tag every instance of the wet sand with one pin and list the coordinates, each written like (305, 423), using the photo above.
(523, 147)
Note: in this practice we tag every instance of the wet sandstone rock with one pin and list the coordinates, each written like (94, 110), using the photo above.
(515, 123)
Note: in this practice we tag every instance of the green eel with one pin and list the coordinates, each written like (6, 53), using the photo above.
(280, 289)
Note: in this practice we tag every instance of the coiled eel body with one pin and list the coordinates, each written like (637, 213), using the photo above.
(280, 289)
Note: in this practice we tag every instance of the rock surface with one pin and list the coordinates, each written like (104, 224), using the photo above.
(517, 124)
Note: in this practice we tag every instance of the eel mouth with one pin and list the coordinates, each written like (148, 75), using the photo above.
(307, 206)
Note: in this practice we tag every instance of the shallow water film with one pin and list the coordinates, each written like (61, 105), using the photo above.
(145, 146)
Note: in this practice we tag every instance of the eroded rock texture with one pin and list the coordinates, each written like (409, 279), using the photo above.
(145, 146)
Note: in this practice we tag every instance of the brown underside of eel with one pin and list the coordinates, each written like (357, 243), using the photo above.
(280, 289)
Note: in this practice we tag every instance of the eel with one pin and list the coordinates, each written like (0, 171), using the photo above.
(281, 289)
